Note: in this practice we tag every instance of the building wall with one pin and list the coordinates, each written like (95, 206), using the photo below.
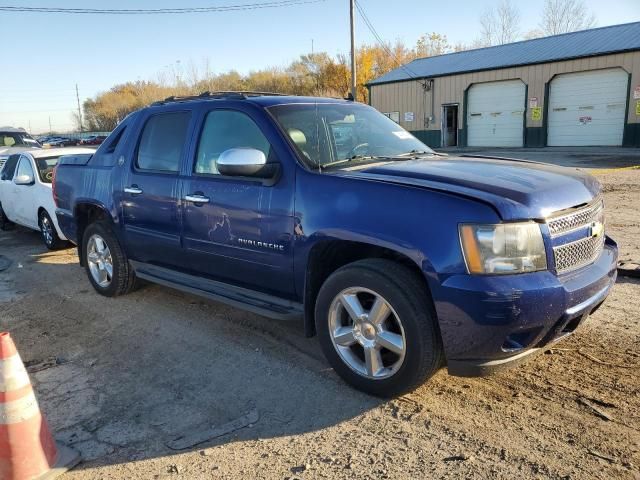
(410, 96)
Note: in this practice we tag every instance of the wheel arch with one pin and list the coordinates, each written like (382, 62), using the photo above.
(85, 213)
(329, 254)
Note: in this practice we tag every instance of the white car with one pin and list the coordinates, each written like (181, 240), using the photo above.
(26, 197)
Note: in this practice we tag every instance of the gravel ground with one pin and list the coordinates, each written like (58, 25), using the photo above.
(126, 381)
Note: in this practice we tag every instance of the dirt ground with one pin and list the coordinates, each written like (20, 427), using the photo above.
(125, 380)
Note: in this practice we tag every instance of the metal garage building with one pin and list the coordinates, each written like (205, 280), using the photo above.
(575, 89)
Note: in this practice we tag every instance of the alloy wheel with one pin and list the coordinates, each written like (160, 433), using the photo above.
(46, 228)
(99, 260)
(367, 333)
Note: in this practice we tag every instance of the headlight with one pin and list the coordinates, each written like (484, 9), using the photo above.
(503, 248)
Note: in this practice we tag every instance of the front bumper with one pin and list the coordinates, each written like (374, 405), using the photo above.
(489, 323)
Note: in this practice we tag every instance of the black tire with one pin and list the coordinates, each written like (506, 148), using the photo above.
(409, 298)
(123, 279)
(49, 233)
(5, 223)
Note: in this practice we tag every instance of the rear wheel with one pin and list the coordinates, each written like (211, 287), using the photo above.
(48, 231)
(105, 262)
(377, 327)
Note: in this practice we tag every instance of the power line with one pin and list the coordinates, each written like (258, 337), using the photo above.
(158, 11)
(373, 31)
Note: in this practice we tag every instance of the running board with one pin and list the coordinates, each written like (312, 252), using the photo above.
(257, 302)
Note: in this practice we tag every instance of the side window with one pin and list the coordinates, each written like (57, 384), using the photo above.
(116, 140)
(162, 142)
(225, 129)
(10, 167)
(24, 167)
(7, 141)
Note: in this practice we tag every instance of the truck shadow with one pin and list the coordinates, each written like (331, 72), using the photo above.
(158, 372)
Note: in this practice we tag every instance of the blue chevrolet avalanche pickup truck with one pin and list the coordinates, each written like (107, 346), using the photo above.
(400, 259)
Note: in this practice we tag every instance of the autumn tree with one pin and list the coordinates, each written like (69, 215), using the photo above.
(432, 44)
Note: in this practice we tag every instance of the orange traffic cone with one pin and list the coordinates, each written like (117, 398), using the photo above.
(27, 448)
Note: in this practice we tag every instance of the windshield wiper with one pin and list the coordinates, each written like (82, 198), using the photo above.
(355, 157)
(415, 153)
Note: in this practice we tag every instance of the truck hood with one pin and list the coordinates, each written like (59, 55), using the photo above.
(517, 189)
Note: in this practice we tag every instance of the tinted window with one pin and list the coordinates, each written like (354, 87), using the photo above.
(111, 147)
(45, 168)
(10, 139)
(163, 141)
(24, 167)
(225, 129)
(10, 167)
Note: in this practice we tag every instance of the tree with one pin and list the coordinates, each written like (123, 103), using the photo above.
(432, 44)
(500, 25)
(562, 16)
(531, 34)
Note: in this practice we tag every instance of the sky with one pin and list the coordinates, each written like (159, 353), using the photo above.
(47, 54)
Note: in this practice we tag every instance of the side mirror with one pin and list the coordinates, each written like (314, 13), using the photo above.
(246, 162)
(24, 180)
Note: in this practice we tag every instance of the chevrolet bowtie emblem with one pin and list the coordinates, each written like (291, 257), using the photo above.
(597, 229)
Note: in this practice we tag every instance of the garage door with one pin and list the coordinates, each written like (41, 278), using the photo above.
(587, 108)
(495, 114)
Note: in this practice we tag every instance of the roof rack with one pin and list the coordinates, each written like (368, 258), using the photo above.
(236, 95)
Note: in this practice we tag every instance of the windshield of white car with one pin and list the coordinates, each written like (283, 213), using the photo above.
(339, 135)
(45, 168)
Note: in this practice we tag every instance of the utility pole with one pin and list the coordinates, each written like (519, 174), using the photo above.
(353, 50)
(50, 125)
(79, 110)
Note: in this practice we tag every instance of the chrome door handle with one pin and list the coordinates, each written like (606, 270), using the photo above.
(133, 190)
(198, 199)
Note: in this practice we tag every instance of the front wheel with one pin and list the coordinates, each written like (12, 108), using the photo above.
(377, 327)
(105, 262)
(48, 231)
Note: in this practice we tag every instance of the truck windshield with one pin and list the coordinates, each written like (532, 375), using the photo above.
(340, 135)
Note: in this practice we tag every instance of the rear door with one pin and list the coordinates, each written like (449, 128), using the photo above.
(241, 232)
(151, 191)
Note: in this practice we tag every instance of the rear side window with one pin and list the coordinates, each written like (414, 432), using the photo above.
(163, 141)
(10, 167)
(116, 140)
(225, 129)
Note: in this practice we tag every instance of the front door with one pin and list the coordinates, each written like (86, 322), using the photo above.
(24, 197)
(7, 188)
(150, 198)
(238, 230)
(449, 125)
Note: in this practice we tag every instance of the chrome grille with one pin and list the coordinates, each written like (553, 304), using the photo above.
(580, 218)
(581, 252)
(2, 160)
(578, 254)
